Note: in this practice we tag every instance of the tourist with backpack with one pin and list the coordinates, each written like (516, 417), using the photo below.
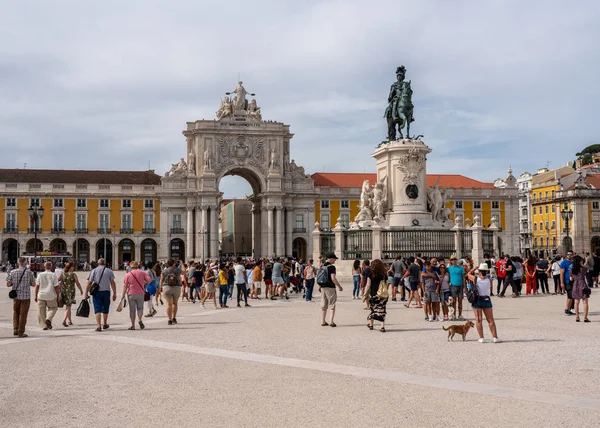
(327, 281)
(482, 303)
(170, 285)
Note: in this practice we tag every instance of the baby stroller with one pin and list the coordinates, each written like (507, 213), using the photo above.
(296, 284)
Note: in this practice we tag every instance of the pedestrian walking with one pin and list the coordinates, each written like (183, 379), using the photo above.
(356, 271)
(134, 287)
(309, 274)
(376, 290)
(20, 280)
(581, 288)
(566, 284)
(105, 278)
(170, 283)
(69, 281)
(327, 287)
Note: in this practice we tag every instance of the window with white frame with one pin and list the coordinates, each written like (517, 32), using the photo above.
(81, 203)
(325, 221)
(104, 203)
(58, 221)
(546, 209)
(553, 225)
(148, 221)
(345, 204)
(477, 205)
(104, 222)
(126, 203)
(34, 202)
(596, 205)
(176, 221)
(345, 220)
(552, 208)
(495, 205)
(325, 204)
(81, 221)
(535, 241)
(11, 202)
(534, 210)
(547, 225)
(535, 227)
(126, 221)
(11, 221)
(149, 203)
(58, 203)
(299, 221)
(458, 205)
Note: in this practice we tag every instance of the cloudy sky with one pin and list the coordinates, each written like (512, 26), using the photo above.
(110, 84)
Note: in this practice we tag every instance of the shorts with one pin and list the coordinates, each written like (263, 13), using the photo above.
(569, 288)
(268, 282)
(397, 281)
(101, 302)
(446, 295)
(210, 287)
(414, 285)
(391, 280)
(258, 285)
(431, 297)
(277, 280)
(483, 302)
(457, 292)
(328, 298)
(171, 293)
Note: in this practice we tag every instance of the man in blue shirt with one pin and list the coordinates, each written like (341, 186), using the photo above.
(457, 275)
(565, 278)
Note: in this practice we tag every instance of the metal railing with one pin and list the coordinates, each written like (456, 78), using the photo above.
(80, 230)
(126, 230)
(177, 230)
(11, 229)
(58, 230)
(104, 230)
(408, 242)
(327, 243)
(358, 244)
(299, 230)
(148, 230)
(34, 230)
(466, 238)
(487, 237)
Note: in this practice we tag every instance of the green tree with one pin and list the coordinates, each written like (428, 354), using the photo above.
(585, 156)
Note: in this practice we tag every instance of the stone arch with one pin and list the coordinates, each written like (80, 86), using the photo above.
(81, 250)
(29, 246)
(177, 249)
(148, 251)
(10, 250)
(252, 175)
(101, 253)
(127, 251)
(58, 245)
(299, 248)
(595, 244)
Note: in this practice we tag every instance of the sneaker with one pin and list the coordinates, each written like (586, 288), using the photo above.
(496, 340)
(426, 318)
(170, 322)
(569, 312)
(438, 318)
(430, 318)
(445, 317)
(48, 325)
(481, 340)
(461, 318)
(154, 312)
(174, 321)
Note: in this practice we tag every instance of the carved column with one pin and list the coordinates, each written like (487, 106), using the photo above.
(279, 235)
(376, 244)
(288, 231)
(189, 233)
(204, 233)
(263, 250)
(338, 231)
(477, 253)
(316, 239)
(163, 242)
(270, 232)
(198, 253)
(309, 225)
(256, 217)
(457, 236)
(214, 232)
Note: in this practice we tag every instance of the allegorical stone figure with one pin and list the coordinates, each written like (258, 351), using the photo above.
(399, 111)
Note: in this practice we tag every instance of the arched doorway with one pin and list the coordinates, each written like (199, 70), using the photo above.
(29, 247)
(299, 248)
(177, 249)
(58, 246)
(126, 251)
(595, 244)
(81, 250)
(10, 250)
(148, 251)
(104, 249)
(567, 244)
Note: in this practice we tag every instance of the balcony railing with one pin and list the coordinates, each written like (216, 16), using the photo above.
(126, 230)
(11, 229)
(80, 230)
(596, 229)
(58, 230)
(34, 230)
(104, 230)
(148, 230)
(299, 230)
(177, 230)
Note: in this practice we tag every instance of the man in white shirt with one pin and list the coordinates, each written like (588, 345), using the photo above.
(46, 296)
(240, 281)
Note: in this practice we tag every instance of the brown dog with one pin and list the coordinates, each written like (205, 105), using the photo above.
(461, 329)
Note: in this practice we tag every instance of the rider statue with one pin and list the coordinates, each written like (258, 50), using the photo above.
(400, 107)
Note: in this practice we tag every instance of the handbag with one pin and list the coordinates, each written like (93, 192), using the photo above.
(84, 309)
(12, 294)
(120, 307)
(587, 292)
(382, 291)
(60, 301)
(95, 286)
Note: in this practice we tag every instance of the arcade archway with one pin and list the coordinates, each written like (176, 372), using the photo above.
(81, 250)
(177, 249)
(126, 251)
(299, 248)
(10, 250)
(58, 246)
(149, 251)
(31, 248)
(104, 249)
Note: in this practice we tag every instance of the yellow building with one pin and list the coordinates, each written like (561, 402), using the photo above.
(82, 214)
(545, 210)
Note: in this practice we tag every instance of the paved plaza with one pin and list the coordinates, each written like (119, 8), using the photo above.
(273, 365)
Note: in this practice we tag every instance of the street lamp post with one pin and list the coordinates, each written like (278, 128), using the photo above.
(567, 216)
(35, 214)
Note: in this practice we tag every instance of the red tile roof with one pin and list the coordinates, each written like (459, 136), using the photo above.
(337, 179)
(593, 179)
(67, 176)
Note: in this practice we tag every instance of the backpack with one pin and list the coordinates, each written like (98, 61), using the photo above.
(323, 277)
(382, 291)
(473, 293)
(171, 279)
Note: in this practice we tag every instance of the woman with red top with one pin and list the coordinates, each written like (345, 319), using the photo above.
(530, 269)
(134, 286)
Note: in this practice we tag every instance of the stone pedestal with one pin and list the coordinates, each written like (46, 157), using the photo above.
(402, 166)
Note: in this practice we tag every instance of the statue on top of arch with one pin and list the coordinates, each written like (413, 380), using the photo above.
(235, 103)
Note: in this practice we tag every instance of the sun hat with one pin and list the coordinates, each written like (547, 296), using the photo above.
(331, 256)
(483, 266)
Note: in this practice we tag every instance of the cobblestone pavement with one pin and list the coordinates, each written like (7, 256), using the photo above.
(273, 365)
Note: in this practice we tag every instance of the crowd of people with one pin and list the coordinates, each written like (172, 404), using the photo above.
(436, 285)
